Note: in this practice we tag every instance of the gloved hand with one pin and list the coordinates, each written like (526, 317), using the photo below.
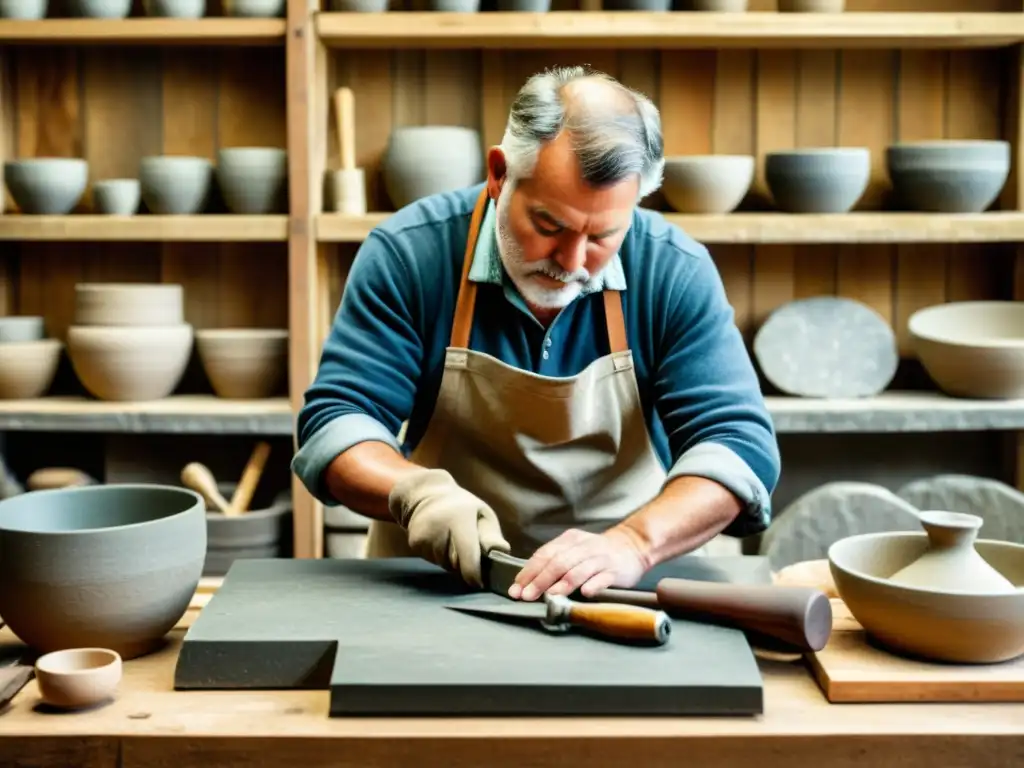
(446, 524)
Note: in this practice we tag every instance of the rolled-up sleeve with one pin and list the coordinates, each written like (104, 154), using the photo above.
(708, 396)
(366, 383)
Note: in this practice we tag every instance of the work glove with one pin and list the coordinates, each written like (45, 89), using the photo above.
(446, 524)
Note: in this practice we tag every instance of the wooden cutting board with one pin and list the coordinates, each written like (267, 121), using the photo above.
(851, 669)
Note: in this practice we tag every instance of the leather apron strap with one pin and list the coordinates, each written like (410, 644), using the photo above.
(465, 305)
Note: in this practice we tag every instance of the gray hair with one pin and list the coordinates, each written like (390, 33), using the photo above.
(615, 133)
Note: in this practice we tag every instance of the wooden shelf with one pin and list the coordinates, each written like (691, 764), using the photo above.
(144, 31)
(760, 228)
(195, 414)
(573, 29)
(202, 228)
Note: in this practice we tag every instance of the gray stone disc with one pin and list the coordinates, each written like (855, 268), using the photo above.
(827, 346)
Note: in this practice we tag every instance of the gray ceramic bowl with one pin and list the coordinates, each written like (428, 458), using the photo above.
(956, 627)
(100, 9)
(825, 180)
(428, 159)
(948, 176)
(46, 185)
(253, 180)
(21, 328)
(116, 197)
(177, 9)
(262, 9)
(175, 185)
(24, 10)
(112, 566)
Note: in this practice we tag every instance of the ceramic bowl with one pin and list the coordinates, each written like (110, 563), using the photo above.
(117, 197)
(825, 180)
(24, 10)
(266, 527)
(244, 363)
(972, 348)
(174, 185)
(425, 160)
(359, 6)
(134, 363)
(262, 9)
(948, 176)
(129, 304)
(707, 183)
(115, 565)
(46, 185)
(21, 328)
(253, 180)
(100, 9)
(27, 368)
(78, 677)
(812, 6)
(176, 9)
(958, 627)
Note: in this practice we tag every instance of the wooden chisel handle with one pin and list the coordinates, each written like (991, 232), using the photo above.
(625, 622)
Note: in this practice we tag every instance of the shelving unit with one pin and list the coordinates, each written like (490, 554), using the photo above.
(96, 228)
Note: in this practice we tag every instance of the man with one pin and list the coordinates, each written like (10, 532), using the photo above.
(575, 387)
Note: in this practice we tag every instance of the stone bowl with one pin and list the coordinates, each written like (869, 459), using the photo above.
(27, 368)
(49, 186)
(948, 176)
(957, 627)
(261, 9)
(707, 183)
(175, 9)
(115, 566)
(117, 197)
(175, 185)
(253, 180)
(429, 159)
(812, 6)
(100, 9)
(21, 328)
(129, 304)
(823, 180)
(244, 363)
(134, 363)
(23, 10)
(972, 348)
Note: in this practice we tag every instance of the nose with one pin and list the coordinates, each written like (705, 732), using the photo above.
(572, 252)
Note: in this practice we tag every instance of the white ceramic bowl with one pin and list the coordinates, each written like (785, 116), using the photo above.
(244, 363)
(175, 185)
(130, 363)
(27, 368)
(176, 9)
(21, 328)
(429, 159)
(24, 10)
(707, 183)
(101, 9)
(78, 677)
(253, 180)
(254, 8)
(46, 185)
(129, 304)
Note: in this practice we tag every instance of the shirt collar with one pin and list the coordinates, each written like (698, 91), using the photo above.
(487, 267)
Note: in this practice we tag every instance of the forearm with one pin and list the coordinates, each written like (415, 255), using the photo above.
(362, 477)
(689, 512)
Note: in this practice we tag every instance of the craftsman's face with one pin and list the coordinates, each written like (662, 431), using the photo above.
(556, 233)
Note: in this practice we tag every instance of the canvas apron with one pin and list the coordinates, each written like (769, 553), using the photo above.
(547, 454)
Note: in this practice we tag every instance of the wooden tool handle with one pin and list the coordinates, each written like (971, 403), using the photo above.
(628, 622)
(344, 114)
(200, 479)
(250, 479)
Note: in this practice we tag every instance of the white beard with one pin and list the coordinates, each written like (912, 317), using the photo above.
(520, 270)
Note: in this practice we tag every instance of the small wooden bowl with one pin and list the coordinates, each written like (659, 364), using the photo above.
(78, 677)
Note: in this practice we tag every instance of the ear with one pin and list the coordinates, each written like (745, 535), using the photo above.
(496, 171)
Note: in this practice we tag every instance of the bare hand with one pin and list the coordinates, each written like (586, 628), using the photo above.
(581, 560)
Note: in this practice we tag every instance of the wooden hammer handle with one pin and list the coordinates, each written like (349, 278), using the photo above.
(344, 114)
(250, 479)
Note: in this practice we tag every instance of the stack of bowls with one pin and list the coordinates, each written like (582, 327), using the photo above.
(47, 186)
(129, 341)
(28, 360)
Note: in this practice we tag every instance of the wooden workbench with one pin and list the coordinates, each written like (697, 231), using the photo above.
(152, 726)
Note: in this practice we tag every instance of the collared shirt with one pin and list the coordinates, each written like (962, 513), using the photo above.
(382, 362)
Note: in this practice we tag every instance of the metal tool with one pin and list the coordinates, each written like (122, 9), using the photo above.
(557, 614)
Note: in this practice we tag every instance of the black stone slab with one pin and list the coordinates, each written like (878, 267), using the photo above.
(377, 635)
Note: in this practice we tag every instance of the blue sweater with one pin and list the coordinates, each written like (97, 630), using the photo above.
(382, 363)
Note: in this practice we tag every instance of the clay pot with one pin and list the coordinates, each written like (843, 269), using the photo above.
(27, 368)
(129, 304)
(117, 197)
(21, 328)
(427, 160)
(244, 363)
(175, 185)
(114, 565)
(78, 677)
(130, 363)
(262, 9)
(100, 9)
(812, 6)
(49, 186)
(826, 180)
(972, 348)
(253, 180)
(949, 625)
(24, 10)
(948, 176)
(707, 183)
(176, 9)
